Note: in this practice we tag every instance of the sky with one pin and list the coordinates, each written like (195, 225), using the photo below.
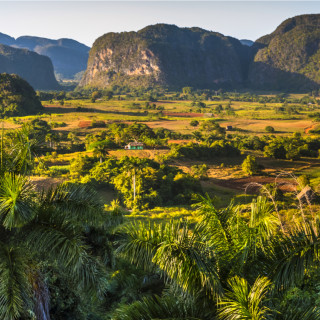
(85, 21)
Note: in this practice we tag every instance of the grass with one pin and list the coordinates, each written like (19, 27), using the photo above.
(160, 214)
(250, 116)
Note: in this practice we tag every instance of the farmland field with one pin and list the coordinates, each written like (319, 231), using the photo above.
(245, 118)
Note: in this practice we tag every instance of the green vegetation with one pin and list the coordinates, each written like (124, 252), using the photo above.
(250, 166)
(17, 98)
(203, 223)
(276, 64)
(215, 217)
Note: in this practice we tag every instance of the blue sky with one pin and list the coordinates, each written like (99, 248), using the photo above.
(86, 20)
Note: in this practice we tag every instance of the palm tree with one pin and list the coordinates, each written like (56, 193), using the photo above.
(224, 252)
(47, 227)
(20, 150)
(100, 149)
(176, 251)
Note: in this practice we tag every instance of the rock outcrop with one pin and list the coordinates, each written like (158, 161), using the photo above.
(166, 55)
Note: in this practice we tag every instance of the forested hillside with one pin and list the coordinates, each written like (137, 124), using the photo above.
(17, 97)
(288, 58)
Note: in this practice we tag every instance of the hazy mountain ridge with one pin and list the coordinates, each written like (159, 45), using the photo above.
(166, 55)
(247, 42)
(68, 56)
(34, 68)
(7, 40)
(287, 59)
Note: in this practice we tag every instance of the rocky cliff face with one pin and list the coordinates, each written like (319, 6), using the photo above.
(166, 55)
(32, 67)
(288, 58)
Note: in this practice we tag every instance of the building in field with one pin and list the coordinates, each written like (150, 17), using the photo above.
(134, 146)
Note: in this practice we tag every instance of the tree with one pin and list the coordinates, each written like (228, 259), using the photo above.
(108, 94)
(51, 138)
(269, 129)
(73, 138)
(250, 165)
(44, 229)
(95, 95)
(200, 171)
(100, 148)
(241, 262)
(218, 108)
(187, 90)
(212, 128)
(194, 123)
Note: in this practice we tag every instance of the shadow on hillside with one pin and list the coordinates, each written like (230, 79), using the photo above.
(263, 76)
(51, 110)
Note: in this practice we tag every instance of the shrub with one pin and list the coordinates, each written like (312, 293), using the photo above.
(194, 123)
(269, 129)
(250, 165)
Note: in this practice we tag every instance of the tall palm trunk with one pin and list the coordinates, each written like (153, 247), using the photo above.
(42, 299)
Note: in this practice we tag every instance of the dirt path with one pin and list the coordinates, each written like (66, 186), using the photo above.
(45, 183)
(250, 183)
(307, 129)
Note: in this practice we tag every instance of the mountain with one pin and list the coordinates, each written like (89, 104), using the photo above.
(17, 97)
(34, 68)
(289, 57)
(7, 40)
(246, 42)
(68, 56)
(166, 55)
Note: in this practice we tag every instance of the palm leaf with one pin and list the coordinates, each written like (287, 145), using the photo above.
(290, 255)
(242, 303)
(155, 307)
(15, 287)
(173, 248)
(16, 201)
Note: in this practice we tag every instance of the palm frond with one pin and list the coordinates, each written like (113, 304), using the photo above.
(16, 201)
(297, 312)
(61, 243)
(175, 249)
(73, 203)
(141, 243)
(155, 307)
(188, 261)
(290, 255)
(242, 303)
(15, 287)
